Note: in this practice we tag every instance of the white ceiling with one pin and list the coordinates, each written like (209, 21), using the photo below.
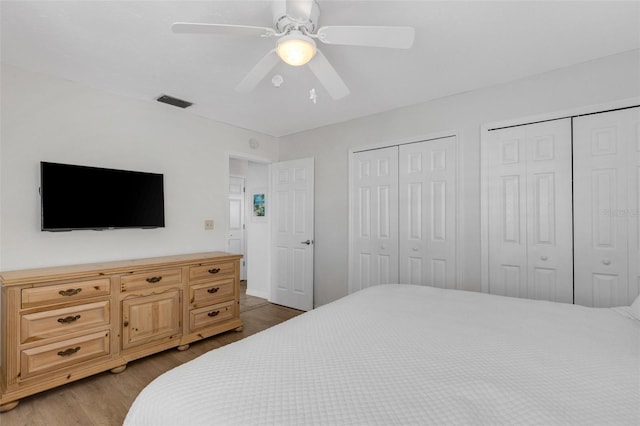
(127, 47)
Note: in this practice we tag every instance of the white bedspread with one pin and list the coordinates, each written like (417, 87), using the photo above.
(400, 354)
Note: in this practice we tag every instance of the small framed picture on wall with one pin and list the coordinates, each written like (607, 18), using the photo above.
(259, 206)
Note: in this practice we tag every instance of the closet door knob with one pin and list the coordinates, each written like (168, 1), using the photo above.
(606, 262)
(415, 249)
(382, 247)
(543, 258)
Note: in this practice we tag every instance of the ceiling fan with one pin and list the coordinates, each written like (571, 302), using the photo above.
(296, 26)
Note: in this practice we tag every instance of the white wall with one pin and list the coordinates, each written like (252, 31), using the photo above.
(49, 119)
(238, 167)
(258, 243)
(611, 78)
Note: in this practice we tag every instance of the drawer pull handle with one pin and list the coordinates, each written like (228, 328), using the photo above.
(68, 319)
(154, 280)
(70, 292)
(213, 313)
(69, 351)
(213, 290)
(214, 270)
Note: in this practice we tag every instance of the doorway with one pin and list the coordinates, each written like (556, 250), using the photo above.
(274, 229)
(248, 235)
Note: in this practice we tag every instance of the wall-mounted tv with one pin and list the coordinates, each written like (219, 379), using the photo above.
(80, 197)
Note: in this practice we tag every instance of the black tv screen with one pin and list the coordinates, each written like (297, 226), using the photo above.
(81, 197)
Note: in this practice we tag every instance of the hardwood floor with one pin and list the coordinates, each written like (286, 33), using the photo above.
(104, 399)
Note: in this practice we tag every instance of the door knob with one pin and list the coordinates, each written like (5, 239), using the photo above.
(606, 262)
(415, 249)
(308, 242)
(543, 258)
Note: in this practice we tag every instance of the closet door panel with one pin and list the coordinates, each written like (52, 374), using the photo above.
(634, 232)
(427, 181)
(506, 178)
(549, 211)
(634, 206)
(606, 181)
(374, 215)
(529, 208)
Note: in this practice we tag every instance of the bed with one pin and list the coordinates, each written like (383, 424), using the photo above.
(402, 354)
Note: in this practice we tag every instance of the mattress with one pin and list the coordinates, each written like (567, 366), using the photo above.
(401, 354)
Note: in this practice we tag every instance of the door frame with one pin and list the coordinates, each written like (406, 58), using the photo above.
(458, 134)
(484, 163)
(261, 160)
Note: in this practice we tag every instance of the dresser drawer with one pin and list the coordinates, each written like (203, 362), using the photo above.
(212, 292)
(68, 292)
(56, 322)
(210, 315)
(58, 355)
(211, 270)
(150, 279)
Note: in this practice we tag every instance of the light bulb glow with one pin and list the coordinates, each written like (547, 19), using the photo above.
(296, 49)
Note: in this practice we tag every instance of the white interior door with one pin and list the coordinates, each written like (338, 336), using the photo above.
(633, 178)
(606, 194)
(507, 248)
(530, 211)
(292, 192)
(427, 181)
(374, 218)
(549, 212)
(236, 237)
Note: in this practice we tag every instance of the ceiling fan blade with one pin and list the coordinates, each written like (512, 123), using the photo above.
(258, 72)
(299, 10)
(393, 37)
(328, 76)
(221, 29)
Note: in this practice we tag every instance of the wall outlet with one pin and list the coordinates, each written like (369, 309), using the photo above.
(208, 224)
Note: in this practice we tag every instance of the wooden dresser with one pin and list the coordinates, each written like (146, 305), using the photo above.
(61, 324)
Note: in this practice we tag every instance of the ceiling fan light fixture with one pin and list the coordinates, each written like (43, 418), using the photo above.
(296, 48)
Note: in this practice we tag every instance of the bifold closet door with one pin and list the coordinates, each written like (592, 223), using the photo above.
(606, 201)
(427, 177)
(530, 212)
(374, 218)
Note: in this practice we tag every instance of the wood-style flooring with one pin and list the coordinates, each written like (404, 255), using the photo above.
(104, 399)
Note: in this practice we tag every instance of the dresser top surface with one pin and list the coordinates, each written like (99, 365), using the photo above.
(25, 276)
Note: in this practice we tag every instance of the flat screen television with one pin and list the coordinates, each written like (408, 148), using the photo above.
(80, 197)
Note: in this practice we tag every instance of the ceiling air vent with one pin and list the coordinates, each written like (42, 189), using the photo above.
(174, 101)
